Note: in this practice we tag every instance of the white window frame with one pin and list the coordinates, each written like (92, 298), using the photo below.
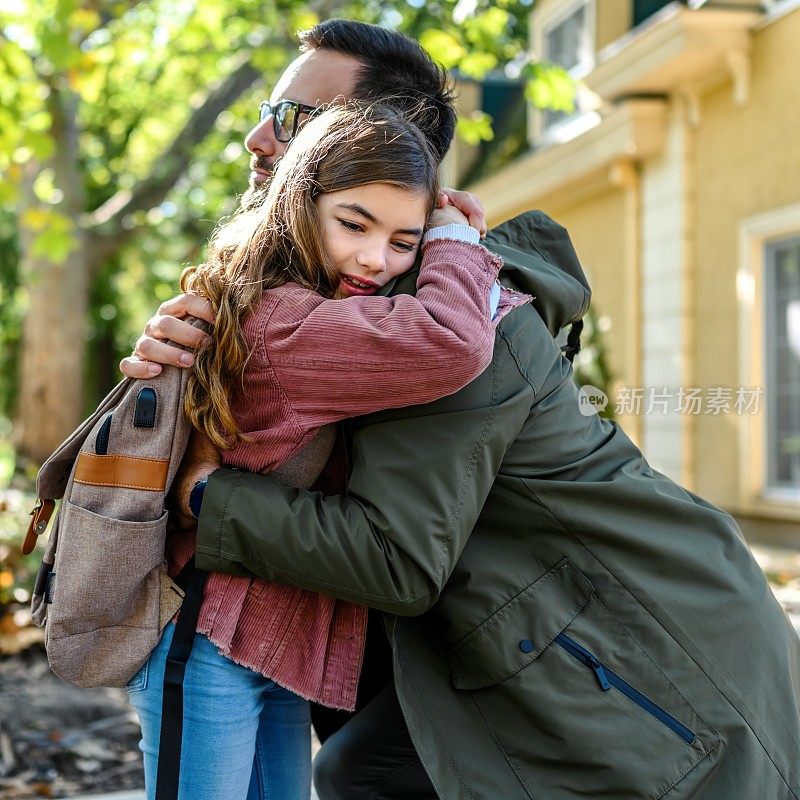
(755, 235)
(544, 20)
(778, 8)
(769, 489)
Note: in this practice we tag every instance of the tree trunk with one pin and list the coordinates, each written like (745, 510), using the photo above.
(53, 334)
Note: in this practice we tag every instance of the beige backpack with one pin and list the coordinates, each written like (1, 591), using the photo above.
(102, 592)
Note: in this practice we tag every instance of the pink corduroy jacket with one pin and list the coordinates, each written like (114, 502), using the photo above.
(314, 362)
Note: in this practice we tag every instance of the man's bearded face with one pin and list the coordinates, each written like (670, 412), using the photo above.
(315, 78)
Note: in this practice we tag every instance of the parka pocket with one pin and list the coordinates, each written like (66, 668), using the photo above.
(577, 705)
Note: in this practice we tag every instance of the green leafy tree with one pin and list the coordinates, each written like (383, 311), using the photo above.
(121, 124)
(103, 108)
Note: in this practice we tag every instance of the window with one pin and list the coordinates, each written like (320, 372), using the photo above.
(567, 39)
(782, 329)
(568, 43)
(642, 9)
(768, 290)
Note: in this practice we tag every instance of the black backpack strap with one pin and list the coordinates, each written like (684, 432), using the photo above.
(573, 346)
(192, 581)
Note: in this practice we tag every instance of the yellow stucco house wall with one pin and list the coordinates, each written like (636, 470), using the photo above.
(678, 178)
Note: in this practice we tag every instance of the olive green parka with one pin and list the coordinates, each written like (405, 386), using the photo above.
(566, 622)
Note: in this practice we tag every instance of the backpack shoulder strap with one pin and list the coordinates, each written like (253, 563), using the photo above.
(573, 345)
(192, 581)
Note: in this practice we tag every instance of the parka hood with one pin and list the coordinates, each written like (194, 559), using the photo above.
(541, 261)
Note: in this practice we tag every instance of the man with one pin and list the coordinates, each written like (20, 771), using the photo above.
(340, 59)
(564, 621)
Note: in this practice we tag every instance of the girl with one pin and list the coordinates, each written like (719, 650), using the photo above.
(302, 340)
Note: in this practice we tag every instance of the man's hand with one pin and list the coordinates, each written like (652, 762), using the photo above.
(470, 206)
(199, 461)
(169, 323)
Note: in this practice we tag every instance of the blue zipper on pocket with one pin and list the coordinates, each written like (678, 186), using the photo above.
(606, 678)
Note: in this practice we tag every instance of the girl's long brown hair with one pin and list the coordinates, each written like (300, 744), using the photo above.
(279, 241)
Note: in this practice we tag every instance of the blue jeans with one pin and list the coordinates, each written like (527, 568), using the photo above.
(243, 735)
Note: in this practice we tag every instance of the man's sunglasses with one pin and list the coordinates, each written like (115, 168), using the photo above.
(285, 117)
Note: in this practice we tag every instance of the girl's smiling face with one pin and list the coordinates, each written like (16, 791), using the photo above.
(371, 234)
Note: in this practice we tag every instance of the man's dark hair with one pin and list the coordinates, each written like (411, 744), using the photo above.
(394, 69)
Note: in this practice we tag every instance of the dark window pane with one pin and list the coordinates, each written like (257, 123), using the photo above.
(642, 9)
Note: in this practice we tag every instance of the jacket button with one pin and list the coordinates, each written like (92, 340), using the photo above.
(526, 645)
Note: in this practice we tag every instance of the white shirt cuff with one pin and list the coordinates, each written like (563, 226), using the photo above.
(494, 300)
(461, 233)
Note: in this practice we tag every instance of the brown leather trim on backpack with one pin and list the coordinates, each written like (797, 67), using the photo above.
(126, 472)
(40, 516)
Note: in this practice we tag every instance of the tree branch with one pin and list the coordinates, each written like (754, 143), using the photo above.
(104, 226)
